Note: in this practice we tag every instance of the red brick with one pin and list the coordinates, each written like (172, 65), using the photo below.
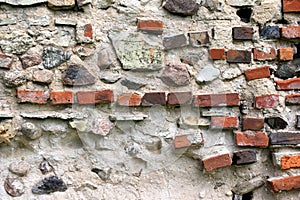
(288, 162)
(154, 98)
(224, 122)
(211, 100)
(252, 139)
(290, 84)
(257, 73)
(266, 101)
(131, 99)
(179, 98)
(151, 26)
(269, 54)
(5, 61)
(88, 30)
(242, 33)
(94, 97)
(62, 97)
(253, 123)
(291, 32)
(182, 141)
(291, 6)
(215, 162)
(30, 96)
(287, 183)
(217, 54)
(239, 56)
(292, 99)
(286, 54)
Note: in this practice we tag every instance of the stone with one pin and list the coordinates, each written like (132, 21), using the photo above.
(84, 33)
(54, 127)
(53, 57)
(270, 32)
(276, 123)
(266, 12)
(248, 186)
(77, 75)
(241, 3)
(45, 167)
(61, 5)
(105, 56)
(100, 126)
(190, 121)
(15, 42)
(133, 83)
(49, 185)
(137, 52)
(8, 21)
(15, 78)
(30, 60)
(40, 21)
(19, 168)
(5, 61)
(24, 2)
(84, 51)
(6, 132)
(285, 138)
(14, 186)
(198, 39)
(175, 41)
(231, 73)
(110, 76)
(104, 174)
(65, 22)
(65, 115)
(128, 117)
(31, 131)
(175, 74)
(191, 58)
(244, 157)
(207, 74)
(286, 71)
(81, 3)
(43, 76)
(103, 4)
(181, 7)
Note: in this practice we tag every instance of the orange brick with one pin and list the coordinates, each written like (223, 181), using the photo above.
(270, 54)
(151, 26)
(257, 73)
(131, 99)
(288, 162)
(278, 184)
(88, 30)
(266, 101)
(211, 100)
(291, 32)
(217, 54)
(94, 97)
(253, 139)
(291, 6)
(290, 84)
(215, 162)
(224, 122)
(30, 96)
(62, 97)
(286, 54)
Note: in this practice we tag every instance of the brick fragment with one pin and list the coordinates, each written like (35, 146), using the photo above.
(5, 61)
(179, 98)
(290, 161)
(285, 138)
(94, 97)
(253, 123)
(242, 33)
(154, 98)
(252, 139)
(291, 32)
(270, 32)
(224, 123)
(287, 183)
(130, 99)
(198, 39)
(290, 84)
(62, 97)
(257, 73)
(176, 41)
(88, 30)
(266, 54)
(30, 96)
(244, 157)
(151, 26)
(292, 99)
(286, 54)
(182, 141)
(266, 101)
(291, 6)
(215, 162)
(211, 100)
(239, 56)
(217, 54)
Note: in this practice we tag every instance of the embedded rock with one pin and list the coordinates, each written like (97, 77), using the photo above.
(14, 186)
(77, 75)
(207, 74)
(175, 74)
(53, 57)
(182, 7)
(6, 132)
(31, 131)
(43, 76)
(61, 5)
(276, 123)
(133, 83)
(105, 57)
(24, 2)
(30, 60)
(110, 77)
(49, 185)
(15, 78)
(19, 168)
(16, 42)
(5, 61)
(286, 71)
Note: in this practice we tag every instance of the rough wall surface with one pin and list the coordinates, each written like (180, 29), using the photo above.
(140, 99)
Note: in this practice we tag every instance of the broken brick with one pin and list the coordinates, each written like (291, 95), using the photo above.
(217, 54)
(290, 84)
(224, 123)
(238, 56)
(266, 101)
(215, 162)
(252, 139)
(179, 98)
(30, 96)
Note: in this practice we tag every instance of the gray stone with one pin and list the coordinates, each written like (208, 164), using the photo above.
(286, 71)
(175, 41)
(15, 78)
(15, 42)
(30, 60)
(207, 74)
(214, 5)
(45, 166)
(128, 117)
(248, 186)
(231, 73)
(41, 21)
(53, 57)
(132, 148)
(175, 74)
(7, 21)
(133, 83)
(49, 185)
(65, 115)
(109, 76)
(65, 22)
(137, 52)
(276, 123)
(54, 127)
(241, 3)
(14, 186)
(182, 7)
(83, 51)
(103, 4)
(43, 76)
(198, 39)
(19, 168)
(31, 131)
(24, 2)
(5, 61)
(105, 57)
(61, 5)
(6, 115)
(191, 58)
(104, 174)
(77, 75)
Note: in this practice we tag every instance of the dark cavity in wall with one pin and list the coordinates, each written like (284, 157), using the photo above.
(244, 14)
(297, 54)
(247, 196)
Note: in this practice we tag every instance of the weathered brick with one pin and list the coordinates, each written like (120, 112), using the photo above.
(243, 157)
(253, 123)
(257, 73)
(215, 162)
(5, 61)
(62, 97)
(286, 183)
(30, 96)
(198, 39)
(179, 98)
(151, 26)
(285, 138)
(176, 41)
(290, 32)
(290, 161)
(94, 97)
(290, 84)
(252, 139)
(154, 98)
(211, 100)
(291, 6)
(238, 56)
(88, 30)
(242, 33)
(270, 32)
(286, 54)
(188, 140)
(224, 123)
(292, 99)
(266, 101)
(217, 54)
(130, 99)
(265, 54)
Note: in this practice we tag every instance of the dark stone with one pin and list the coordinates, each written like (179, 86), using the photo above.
(276, 123)
(285, 138)
(238, 56)
(133, 83)
(286, 71)
(49, 185)
(104, 174)
(182, 7)
(270, 32)
(173, 42)
(175, 74)
(14, 186)
(53, 57)
(154, 98)
(244, 157)
(77, 75)
(242, 33)
(298, 121)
